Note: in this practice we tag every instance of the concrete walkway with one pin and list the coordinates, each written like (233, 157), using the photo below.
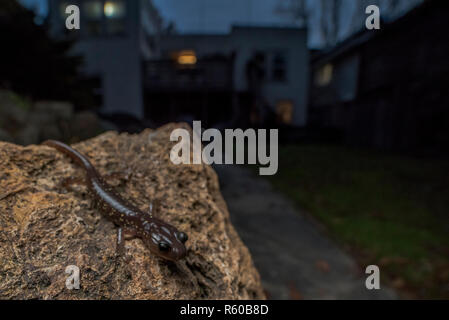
(295, 259)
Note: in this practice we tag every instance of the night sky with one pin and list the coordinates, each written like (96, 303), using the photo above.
(217, 16)
(208, 16)
(205, 15)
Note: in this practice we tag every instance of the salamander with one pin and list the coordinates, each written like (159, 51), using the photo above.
(162, 238)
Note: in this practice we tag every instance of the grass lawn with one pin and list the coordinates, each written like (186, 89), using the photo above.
(387, 210)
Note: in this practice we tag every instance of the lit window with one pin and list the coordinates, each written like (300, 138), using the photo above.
(93, 9)
(115, 12)
(324, 75)
(284, 111)
(186, 57)
(114, 9)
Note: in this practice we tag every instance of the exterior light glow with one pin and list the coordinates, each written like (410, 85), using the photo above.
(187, 57)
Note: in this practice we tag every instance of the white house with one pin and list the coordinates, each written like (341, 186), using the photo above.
(114, 38)
(285, 59)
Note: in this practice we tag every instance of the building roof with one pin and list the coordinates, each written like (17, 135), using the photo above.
(363, 36)
(276, 27)
(239, 27)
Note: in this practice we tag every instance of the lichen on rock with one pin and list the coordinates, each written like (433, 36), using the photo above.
(46, 226)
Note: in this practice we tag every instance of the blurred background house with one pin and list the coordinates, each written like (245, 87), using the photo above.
(241, 63)
(115, 38)
(388, 89)
(251, 76)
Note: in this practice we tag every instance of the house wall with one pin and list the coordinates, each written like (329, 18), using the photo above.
(407, 72)
(115, 59)
(293, 44)
(403, 81)
(343, 84)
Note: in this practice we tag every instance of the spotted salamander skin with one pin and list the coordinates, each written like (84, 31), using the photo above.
(162, 238)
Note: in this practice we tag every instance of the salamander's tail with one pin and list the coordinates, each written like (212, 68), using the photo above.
(72, 153)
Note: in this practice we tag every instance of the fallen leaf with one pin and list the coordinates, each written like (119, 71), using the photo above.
(294, 294)
(323, 266)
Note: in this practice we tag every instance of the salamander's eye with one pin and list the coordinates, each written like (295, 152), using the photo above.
(182, 237)
(164, 246)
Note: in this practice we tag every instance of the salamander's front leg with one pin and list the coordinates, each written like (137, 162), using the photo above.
(124, 233)
(154, 208)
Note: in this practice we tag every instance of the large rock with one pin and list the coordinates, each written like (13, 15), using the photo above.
(45, 227)
(24, 122)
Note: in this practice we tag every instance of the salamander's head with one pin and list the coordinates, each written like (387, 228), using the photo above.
(164, 239)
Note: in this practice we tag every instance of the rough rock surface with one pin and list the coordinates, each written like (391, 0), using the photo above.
(46, 226)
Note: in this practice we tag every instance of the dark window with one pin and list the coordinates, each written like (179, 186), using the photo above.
(93, 10)
(279, 67)
(260, 61)
(114, 27)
